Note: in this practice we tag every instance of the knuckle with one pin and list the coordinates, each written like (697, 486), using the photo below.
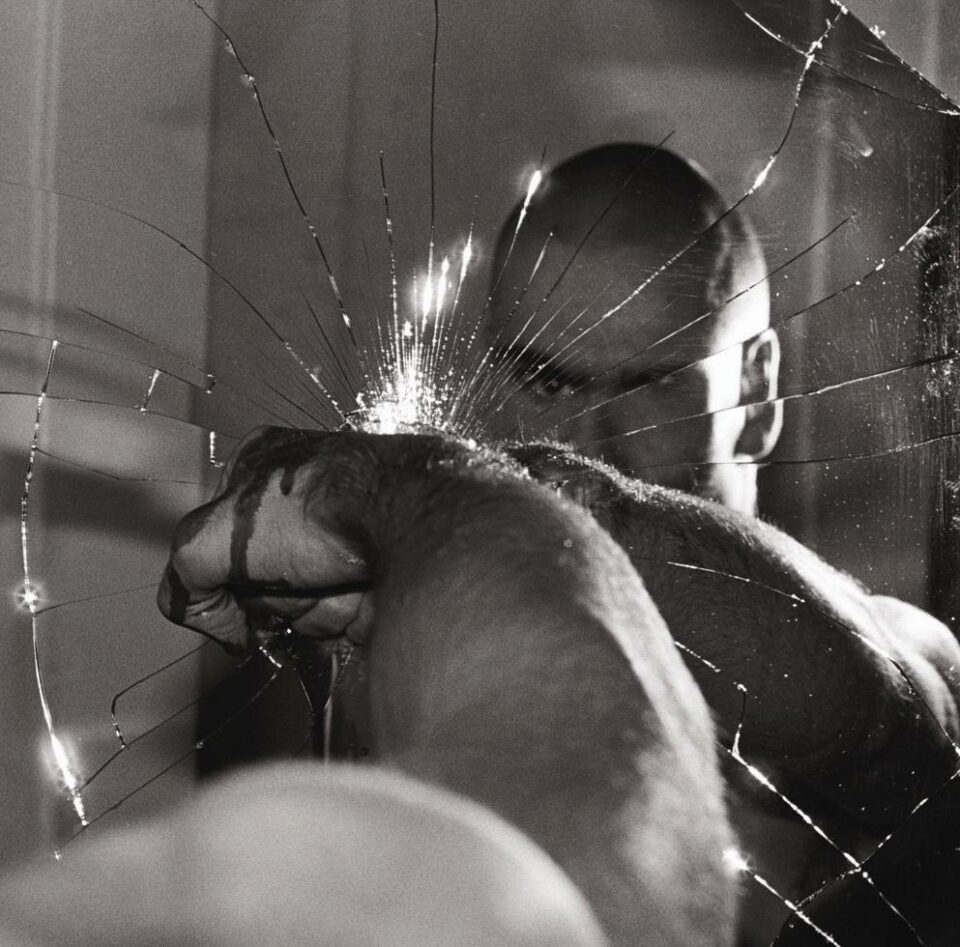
(249, 453)
(191, 526)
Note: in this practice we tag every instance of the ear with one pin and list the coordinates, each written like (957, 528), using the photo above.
(758, 393)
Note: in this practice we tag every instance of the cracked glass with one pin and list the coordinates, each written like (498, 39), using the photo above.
(328, 214)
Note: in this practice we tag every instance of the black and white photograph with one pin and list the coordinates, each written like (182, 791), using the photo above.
(480, 473)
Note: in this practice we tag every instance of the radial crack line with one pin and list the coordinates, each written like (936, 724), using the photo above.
(248, 303)
(198, 745)
(781, 40)
(784, 399)
(758, 182)
(31, 598)
(855, 283)
(251, 83)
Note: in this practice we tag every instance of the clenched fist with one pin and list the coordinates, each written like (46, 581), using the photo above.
(275, 542)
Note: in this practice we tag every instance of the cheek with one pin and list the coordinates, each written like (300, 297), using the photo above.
(727, 427)
(722, 382)
(691, 419)
(672, 420)
(721, 377)
(683, 443)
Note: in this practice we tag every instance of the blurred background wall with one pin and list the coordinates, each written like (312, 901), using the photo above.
(115, 108)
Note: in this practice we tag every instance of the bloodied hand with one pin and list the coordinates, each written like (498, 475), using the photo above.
(268, 547)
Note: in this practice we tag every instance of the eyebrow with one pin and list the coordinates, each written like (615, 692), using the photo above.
(649, 375)
(530, 365)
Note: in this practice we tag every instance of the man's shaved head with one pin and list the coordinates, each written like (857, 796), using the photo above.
(650, 283)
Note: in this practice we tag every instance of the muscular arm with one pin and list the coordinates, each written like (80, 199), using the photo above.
(513, 653)
(852, 694)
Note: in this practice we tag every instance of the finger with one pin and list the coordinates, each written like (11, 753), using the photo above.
(217, 615)
(255, 542)
(349, 614)
(339, 610)
(229, 468)
(194, 590)
(259, 451)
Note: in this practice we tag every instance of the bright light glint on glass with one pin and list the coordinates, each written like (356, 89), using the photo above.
(28, 598)
(734, 860)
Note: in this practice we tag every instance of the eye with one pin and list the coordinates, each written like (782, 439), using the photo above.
(537, 376)
(655, 382)
(550, 383)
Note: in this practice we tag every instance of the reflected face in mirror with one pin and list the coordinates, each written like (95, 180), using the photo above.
(633, 318)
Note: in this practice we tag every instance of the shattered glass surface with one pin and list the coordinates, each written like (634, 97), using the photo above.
(291, 198)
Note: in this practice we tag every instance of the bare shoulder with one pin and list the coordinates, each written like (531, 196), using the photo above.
(784, 624)
(305, 854)
(930, 650)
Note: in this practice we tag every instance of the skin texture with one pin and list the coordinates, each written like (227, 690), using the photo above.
(678, 386)
(776, 619)
(867, 683)
(511, 653)
(302, 854)
(530, 678)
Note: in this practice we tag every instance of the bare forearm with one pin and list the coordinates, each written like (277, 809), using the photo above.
(543, 683)
(513, 652)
